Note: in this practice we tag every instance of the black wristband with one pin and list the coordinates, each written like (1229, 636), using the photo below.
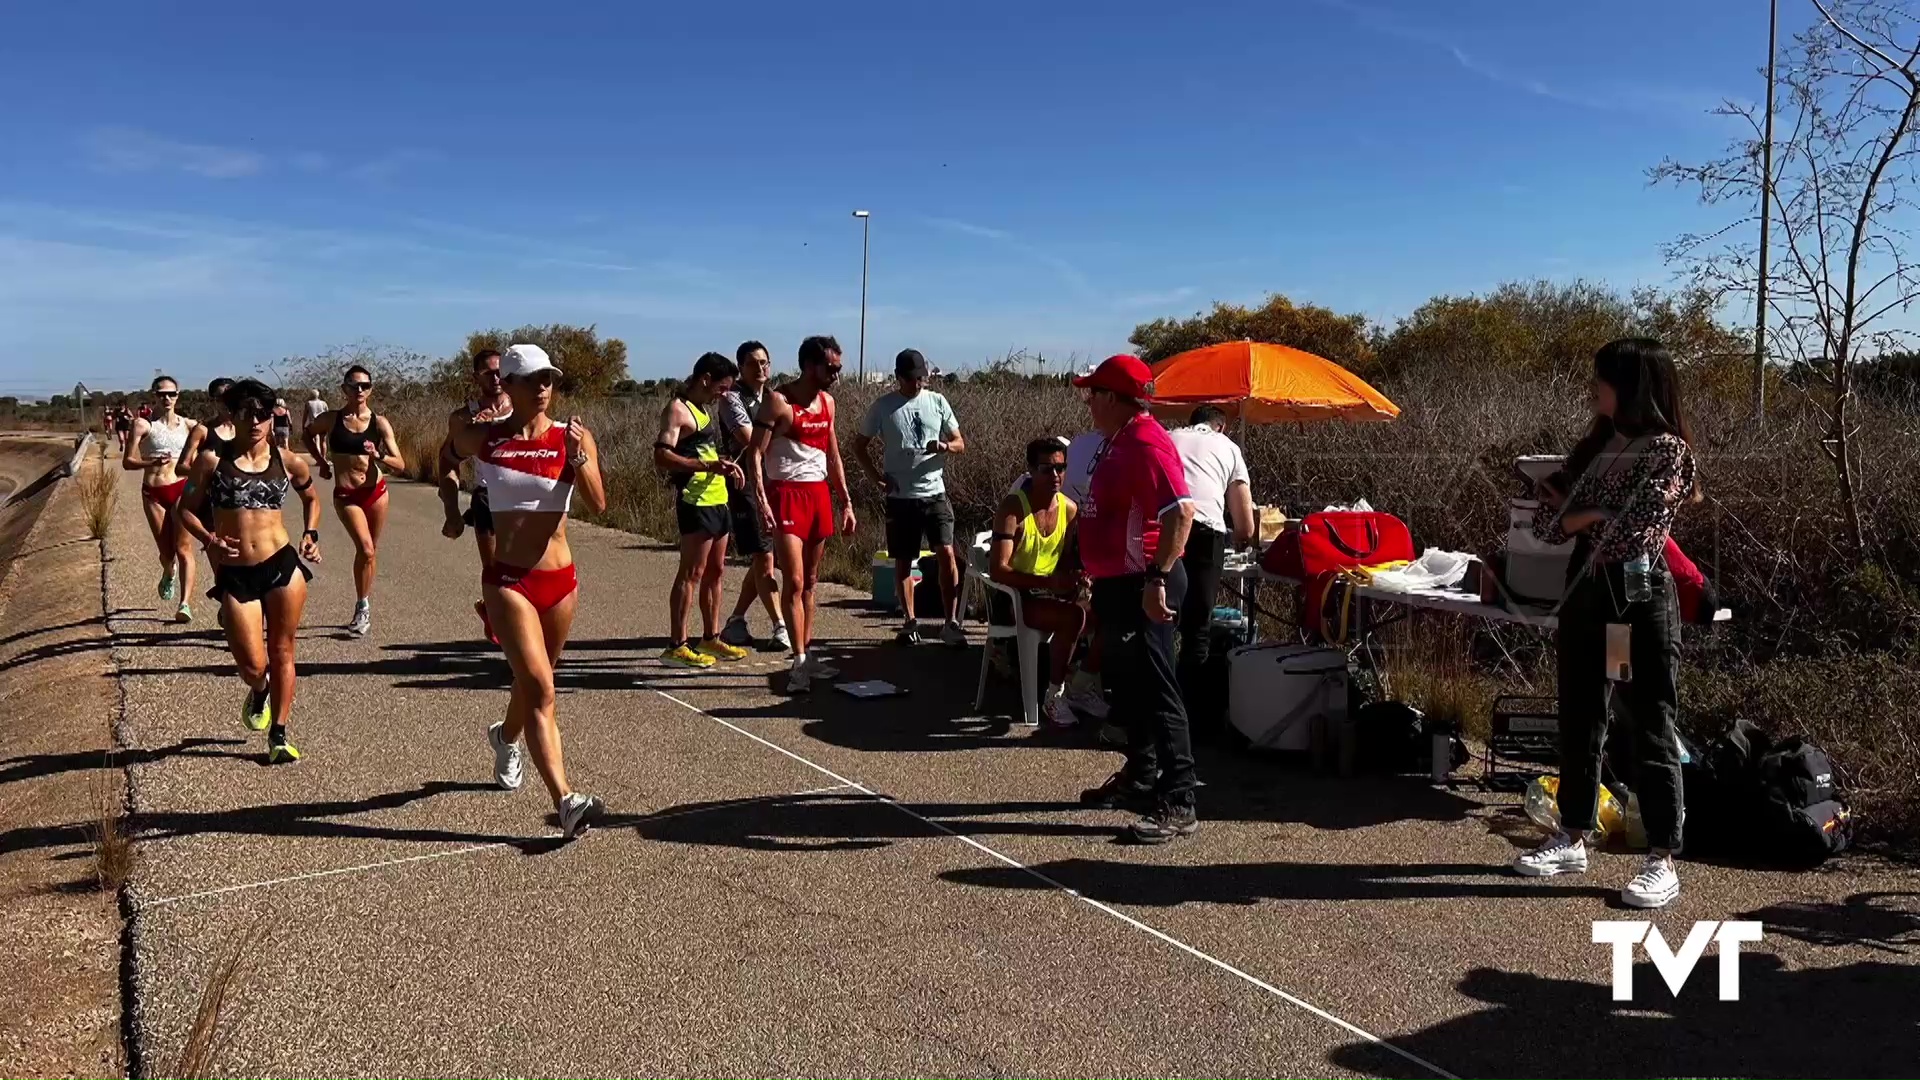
(315, 533)
(1154, 573)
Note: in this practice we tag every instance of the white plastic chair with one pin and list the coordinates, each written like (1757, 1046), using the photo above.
(1026, 640)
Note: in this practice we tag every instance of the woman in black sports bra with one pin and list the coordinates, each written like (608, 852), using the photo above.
(354, 459)
(257, 573)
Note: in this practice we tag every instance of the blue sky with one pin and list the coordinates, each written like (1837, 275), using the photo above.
(203, 187)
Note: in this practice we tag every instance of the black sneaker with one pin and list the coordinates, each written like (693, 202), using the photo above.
(908, 634)
(1117, 792)
(1167, 821)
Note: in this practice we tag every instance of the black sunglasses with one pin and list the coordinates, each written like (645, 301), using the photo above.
(166, 393)
(363, 387)
(1057, 468)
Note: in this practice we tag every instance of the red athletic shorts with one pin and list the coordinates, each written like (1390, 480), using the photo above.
(361, 497)
(802, 508)
(543, 588)
(165, 494)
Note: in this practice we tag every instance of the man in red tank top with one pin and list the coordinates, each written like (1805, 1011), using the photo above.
(794, 465)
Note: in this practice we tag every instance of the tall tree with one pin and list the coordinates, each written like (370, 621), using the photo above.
(1843, 194)
(1309, 327)
(590, 365)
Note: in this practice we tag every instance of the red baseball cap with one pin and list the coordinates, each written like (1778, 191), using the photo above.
(1128, 376)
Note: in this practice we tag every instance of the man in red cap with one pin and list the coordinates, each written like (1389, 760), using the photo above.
(1133, 528)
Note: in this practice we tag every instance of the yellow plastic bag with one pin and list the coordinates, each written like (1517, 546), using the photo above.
(1543, 808)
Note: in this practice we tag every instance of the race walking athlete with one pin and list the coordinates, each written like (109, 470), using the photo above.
(216, 434)
(157, 450)
(359, 445)
(490, 404)
(795, 471)
(750, 541)
(531, 465)
(258, 576)
(688, 451)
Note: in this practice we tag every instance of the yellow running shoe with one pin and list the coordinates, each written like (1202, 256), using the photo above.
(684, 656)
(281, 752)
(257, 710)
(720, 650)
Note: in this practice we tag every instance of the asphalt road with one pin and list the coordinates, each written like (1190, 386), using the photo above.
(822, 886)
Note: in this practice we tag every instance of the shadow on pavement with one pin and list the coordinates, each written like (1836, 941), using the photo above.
(1887, 921)
(839, 821)
(31, 766)
(1855, 1020)
(275, 819)
(1148, 885)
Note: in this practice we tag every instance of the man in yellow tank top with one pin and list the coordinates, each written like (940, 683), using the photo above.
(1033, 552)
(688, 451)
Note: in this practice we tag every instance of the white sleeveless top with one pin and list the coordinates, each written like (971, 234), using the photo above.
(162, 439)
(527, 474)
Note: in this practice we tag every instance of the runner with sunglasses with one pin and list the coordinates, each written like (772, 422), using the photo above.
(157, 450)
(490, 404)
(794, 468)
(258, 576)
(359, 444)
(531, 465)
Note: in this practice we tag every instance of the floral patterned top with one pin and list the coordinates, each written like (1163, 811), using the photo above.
(1639, 492)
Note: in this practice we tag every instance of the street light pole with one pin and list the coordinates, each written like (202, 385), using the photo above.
(1766, 222)
(866, 221)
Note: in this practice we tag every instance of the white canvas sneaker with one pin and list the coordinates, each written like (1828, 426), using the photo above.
(1561, 854)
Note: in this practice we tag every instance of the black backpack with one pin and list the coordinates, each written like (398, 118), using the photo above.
(1763, 801)
(1802, 812)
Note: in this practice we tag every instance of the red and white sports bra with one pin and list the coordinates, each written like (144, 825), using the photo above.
(528, 474)
(800, 456)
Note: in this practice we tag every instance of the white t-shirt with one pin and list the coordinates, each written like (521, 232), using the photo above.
(315, 408)
(1214, 463)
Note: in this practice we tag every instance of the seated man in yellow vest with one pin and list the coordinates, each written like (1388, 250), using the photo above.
(1032, 552)
(688, 451)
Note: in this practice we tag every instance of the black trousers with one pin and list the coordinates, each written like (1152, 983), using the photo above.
(1137, 666)
(1203, 560)
(1653, 698)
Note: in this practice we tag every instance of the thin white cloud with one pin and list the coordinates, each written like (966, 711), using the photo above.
(389, 165)
(130, 150)
(969, 228)
(1155, 299)
(1066, 271)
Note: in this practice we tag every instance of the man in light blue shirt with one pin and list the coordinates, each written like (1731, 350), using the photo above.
(917, 430)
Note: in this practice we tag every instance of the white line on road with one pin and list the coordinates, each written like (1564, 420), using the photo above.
(317, 874)
(1104, 909)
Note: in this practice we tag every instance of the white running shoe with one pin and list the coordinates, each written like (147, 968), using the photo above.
(508, 765)
(577, 813)
(362, 620)
(736, 632)
(952, 634)
(1053, 710)
(1655, 886)
(1561, 854)
(782, 639)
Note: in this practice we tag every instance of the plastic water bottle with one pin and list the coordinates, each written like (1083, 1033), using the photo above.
(1639, 575)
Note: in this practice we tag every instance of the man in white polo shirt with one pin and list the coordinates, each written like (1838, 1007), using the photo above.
(1222, 515)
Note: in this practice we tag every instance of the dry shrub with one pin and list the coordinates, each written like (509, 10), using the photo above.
(99, 491)
(207, 1039)
(113, 856)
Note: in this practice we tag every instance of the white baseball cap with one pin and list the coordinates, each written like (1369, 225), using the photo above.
(523, 360)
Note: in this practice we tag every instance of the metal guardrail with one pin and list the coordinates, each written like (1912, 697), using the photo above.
(65, 469)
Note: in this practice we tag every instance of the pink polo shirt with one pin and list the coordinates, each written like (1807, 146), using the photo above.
(1138, 477)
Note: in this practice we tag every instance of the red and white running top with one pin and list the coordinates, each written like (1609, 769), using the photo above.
(527, 474)
(800, 456)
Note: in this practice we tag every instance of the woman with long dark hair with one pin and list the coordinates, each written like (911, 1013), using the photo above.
(258, 577)
(531, 465)
(1616, 499)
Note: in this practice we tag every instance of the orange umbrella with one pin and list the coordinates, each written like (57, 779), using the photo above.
(1264, 384)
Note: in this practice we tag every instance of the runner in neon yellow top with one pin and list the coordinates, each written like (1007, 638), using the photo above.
(688, 450)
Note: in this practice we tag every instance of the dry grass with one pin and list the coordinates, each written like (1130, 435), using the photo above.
(113, 856)
(99, 491)
(207, 1038)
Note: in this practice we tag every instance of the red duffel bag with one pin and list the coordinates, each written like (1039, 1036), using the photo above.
(1334, 539)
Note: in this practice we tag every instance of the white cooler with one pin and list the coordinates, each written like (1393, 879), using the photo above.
(1276, 692)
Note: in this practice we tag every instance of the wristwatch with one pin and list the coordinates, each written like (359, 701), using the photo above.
(579, 460)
